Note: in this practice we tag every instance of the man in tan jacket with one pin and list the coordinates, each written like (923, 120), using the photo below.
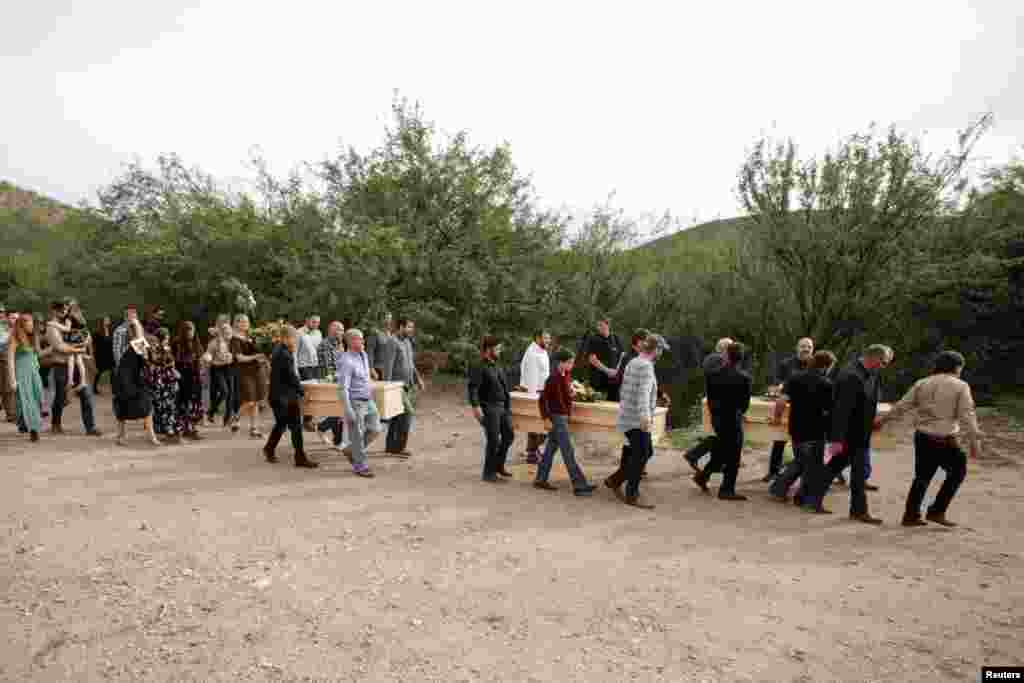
(59, 375)
(943, 405)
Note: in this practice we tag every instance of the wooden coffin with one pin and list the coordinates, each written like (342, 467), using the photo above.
(587, 418)
(758, 427)
(322, 399)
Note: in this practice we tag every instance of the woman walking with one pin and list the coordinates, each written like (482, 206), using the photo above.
(132, 400)
(249, 361)
(103, 351)
(188, 353)
(162, 378)
(24, 368)
(222, 361)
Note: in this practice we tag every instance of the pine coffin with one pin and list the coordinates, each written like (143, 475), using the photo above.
(757, 423)
(322, 399)
(598, 417)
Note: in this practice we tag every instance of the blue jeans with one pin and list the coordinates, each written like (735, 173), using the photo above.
(361, 418)
(59, 375)
(559, 439)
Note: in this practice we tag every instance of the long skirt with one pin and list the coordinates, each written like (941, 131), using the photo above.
(30, 389)
(164, 387)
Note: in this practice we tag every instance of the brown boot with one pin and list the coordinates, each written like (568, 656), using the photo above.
(939, 519)
(302, 461)
(866, 518)
(269, 454)
(637, 501)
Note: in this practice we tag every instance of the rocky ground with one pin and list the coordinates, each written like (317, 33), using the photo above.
(204, 563)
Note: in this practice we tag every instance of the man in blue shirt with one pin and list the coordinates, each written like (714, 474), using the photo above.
(361, 416)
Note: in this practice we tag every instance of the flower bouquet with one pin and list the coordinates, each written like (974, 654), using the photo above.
(584, 393)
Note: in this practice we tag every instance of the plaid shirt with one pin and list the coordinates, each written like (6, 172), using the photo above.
(120, 342)
(327, 354)
(639, 394)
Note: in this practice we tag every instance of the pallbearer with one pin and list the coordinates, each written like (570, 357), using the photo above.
(285, 400)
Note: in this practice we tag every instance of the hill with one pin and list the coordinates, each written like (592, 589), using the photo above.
(712, 231)
(40, 209)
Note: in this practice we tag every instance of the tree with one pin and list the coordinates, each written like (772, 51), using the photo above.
(840, 232)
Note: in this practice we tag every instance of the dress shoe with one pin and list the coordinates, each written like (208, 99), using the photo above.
(865, 518)
(305, 462)
(267, 454)
(610, 483)
(638, 502)
(731, 496)
(583, 492)
(494, 479)
(545, 485)
(692, 463)
(701, 480)
(939, 519)
(913, 521)
(870, 487)
(94, 432)
(33, 436)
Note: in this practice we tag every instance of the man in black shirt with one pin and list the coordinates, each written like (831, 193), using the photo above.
(787, 368)
(809, 395)
(488, 391)
(604, 352)
(853, 416)
(712, 363)
(729, 399)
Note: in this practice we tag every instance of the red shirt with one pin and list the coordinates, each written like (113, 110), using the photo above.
(556, 398)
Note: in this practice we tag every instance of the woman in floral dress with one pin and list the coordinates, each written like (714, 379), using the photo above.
(188, 360)
(162, 378)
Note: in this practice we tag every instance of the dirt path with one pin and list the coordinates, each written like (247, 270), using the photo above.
(203, 563)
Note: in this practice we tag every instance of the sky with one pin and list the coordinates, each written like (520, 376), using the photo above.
(655, 102)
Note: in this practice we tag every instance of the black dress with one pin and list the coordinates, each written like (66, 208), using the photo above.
(132, 400)
(103, 347)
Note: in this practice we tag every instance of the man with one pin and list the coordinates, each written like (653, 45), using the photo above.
(119, 340)
(605, 354)
(327, 358)
(488, 393)
(404, 371)
(7, 392)
(786, 369)
(285, 400)
(809, 395)
(638, 401)
(853, 416)
(382, 349)
(59, 375)
(534, 370)
(728, 399)
(868, 486)
(712, 364)
(361, 417)
(555, 405)
(306, 360)
(618, 477)
(943, 404)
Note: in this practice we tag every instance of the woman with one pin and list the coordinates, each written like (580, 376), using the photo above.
(222, 361)
(249, 361)
(24, 368)
(102, 351)
(132, 400)
(162, 379)
(188, 355)
(286, 400)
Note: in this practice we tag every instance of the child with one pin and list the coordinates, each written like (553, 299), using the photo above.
(555, 408)
(74, 333)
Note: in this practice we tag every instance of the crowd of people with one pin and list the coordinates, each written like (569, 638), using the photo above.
(833, 413)
(176, 386)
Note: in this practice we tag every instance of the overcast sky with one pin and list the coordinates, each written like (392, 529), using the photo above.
(655, 101)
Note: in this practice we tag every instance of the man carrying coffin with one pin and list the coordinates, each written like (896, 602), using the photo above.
(534, 370)
(604, 352)
(787, 368)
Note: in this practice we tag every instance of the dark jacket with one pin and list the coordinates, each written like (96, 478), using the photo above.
(810, 405)
(132, 398)
(789, 367)
(488, 386)
(855, 406)
(556, 397)
(285, 386)
(729, 393)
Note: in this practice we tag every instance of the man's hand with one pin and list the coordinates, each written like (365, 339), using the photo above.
(645, 424)
(548, 427)
(478, 414)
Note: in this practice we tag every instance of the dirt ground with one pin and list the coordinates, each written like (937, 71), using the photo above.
(204, 563)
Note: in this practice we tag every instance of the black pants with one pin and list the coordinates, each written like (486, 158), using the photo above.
(234, 386)
(854, 458)
(99, 373)
(616, 478)
(497, 424)
(929, 455)
(775, 459)
(220, 390)
(703, 447)
(287, 415)
(397, 438)
(640, 451)
(728, 448)
(808, 465)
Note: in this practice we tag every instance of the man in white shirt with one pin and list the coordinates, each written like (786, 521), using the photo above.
(306, 357)
(534, 371)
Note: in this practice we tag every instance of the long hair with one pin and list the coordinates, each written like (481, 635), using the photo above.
(21, 336)
(181, 344)
(100, 329)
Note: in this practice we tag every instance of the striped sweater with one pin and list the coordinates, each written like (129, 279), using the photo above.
(639, 394)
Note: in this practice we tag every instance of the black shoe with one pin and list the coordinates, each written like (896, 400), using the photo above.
(638, 502)
(269, 455)
(701, 480)
(611, 484)
(939, 519)
(692, 462)
(587, 490)
(731, 496)
(870, 487)
(866, 518)
(306, 462)
(33, 436)
(94, 432)
(494, 479)
(913, 521)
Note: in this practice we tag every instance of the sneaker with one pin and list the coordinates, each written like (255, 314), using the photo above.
(583, 492)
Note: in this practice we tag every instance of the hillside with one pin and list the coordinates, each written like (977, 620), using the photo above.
(712, 231)
(40, 209)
